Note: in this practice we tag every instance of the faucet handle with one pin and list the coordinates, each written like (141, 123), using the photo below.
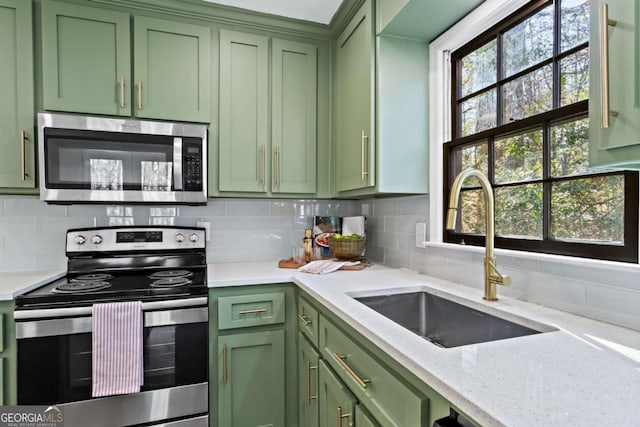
(506, 280)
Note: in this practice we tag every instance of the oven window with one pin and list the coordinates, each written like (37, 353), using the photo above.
(93, 160)
(174, 355)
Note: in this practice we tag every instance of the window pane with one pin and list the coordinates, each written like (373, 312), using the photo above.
(574, 77)
(471, 215)
(528, 43)
(528, 95)
(479, 69)
(479, 113)
(570, 148)
(519, 211)
(518, 157)
(575, 23)
(588, 209)
(470, 156)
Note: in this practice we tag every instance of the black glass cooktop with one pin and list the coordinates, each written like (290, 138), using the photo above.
(145, 285)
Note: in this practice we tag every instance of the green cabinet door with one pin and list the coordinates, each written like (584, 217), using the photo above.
(308, 359)
(172, 70)
(619, 143)
(243, 135)
(251, 379)
(293, 129)
(17, 163)
(364, 419)
(355, 141)
(337, 404)
(86, 65)
(8, 355)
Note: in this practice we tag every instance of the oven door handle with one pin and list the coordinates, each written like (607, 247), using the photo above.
(81, 325)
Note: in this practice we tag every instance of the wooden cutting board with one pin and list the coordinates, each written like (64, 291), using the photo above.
(290, 263)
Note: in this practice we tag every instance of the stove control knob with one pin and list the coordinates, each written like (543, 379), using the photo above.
(79, 239)
(179, 237)
(96, 240)
(193, 237)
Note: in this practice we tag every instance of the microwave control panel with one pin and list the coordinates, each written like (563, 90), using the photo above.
(193, 164)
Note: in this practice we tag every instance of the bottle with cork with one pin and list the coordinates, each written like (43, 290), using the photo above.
(307, 243)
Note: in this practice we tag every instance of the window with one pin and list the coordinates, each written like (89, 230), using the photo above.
(519, 102)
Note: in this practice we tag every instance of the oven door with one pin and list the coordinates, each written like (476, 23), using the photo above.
(54, 367)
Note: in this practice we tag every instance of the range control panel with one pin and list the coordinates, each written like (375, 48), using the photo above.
(134, 239)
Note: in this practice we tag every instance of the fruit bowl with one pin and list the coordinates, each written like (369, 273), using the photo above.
(347, 248)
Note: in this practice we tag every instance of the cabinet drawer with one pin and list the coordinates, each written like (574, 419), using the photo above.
(245, 311)
(390, 401)
(308, 320)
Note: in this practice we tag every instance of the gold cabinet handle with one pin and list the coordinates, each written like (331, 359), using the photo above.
(139, 94)
(341, 360)
(603, 28)
(261, 178)
(23, 156)
(224, 364)
(254, 311)
(363, 138)
(309, 396)
(304, 319)
(276, 167)
(341, 416)
(122, 101)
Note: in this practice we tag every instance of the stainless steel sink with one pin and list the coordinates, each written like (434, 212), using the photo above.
(443, 322)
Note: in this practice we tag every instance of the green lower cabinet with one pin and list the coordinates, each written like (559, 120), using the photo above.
(337, 404)
(8, 355)
(251, 376)
(308, 360)
(364, 419)
(17, 141)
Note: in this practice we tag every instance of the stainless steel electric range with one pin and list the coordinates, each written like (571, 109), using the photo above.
(165, 269)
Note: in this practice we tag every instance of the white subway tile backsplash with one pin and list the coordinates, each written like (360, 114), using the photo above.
(281, 208)
(32, 206)
(243, 208)
(557, 292)
(621, 306)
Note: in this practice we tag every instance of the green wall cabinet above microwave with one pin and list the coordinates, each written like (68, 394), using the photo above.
(171, 77)
(252, 160)
(17, 163)
(614, 99)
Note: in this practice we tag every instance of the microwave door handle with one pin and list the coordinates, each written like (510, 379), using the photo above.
(177, 163)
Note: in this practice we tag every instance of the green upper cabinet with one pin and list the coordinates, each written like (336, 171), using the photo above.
(251, 159)
(92, 74)
(172, 70)
(294, 105)
(355, 139)
(86, 54)
(244, 91)
(17, 163)
(617, 143)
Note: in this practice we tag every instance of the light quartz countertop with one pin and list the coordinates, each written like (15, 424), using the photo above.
(14, 283)
(584, 373)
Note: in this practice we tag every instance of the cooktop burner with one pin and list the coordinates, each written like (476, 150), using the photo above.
(101, 277)
(80, 287)
(170, 273)
(171, 282)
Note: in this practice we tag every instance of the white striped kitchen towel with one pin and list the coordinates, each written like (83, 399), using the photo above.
(117, 348)
(325, 266)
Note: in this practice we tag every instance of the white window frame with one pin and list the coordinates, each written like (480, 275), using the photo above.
(475, 23)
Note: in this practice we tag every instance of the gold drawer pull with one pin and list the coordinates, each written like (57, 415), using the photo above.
(254, 311)
(122, 102)
(139, 94)
(341, 416)
(309, 369)
(304, 319)
(341, 360)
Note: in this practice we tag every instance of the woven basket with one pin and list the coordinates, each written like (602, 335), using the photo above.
(347, 248)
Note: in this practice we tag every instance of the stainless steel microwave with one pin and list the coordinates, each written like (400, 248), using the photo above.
(85, 159)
